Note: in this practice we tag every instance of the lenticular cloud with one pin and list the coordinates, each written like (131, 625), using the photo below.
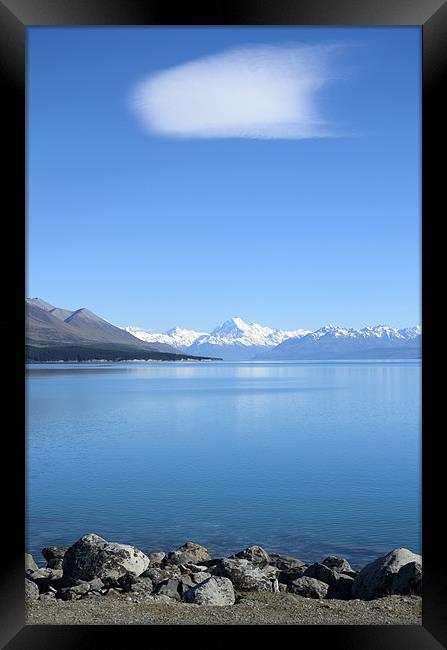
(250, 92)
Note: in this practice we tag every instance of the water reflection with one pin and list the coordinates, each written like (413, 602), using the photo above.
(302, 458)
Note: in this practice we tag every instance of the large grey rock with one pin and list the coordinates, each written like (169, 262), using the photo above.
(44, 572)
(136, 584)
(200, 576)
(342, 587)
(321, 572)
(54, 556)
(254, 554)
(189, 552)
(92, 556)
(31, 590)
(289, 575)
(96, 584)
(74, 592)
(186, 582)
(285, 563)
(408, 580)
(156, 558)
(30, 565)
(44, 577)
(309, 587)
(376, 578)
(159, 575)
(340, 584)
(170, 588)
(216, 590)
(246, 576)
(337, 563)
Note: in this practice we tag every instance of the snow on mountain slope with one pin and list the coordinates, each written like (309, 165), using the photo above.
(384, 332)
(234, 339)
(178, 337)
(235, 331)
(237, 340)
(331, 342)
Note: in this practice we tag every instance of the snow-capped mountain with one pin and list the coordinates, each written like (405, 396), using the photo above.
(178, 337)
(232, 340)
(237, 340)
(332, 342)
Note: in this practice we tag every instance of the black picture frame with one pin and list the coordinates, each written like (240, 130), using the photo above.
(15, 17)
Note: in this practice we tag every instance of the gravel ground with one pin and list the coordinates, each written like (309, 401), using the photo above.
(253, 608)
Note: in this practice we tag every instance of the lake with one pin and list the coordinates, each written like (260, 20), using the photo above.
(304, 458)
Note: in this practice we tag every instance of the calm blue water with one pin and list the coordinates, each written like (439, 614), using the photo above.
(308, 459)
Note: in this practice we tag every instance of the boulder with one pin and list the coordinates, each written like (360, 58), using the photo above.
(342, 587)
(44, 578)
(216, 590)
(337, 564)
(189, 552)
(156, 558)
(376, 578)
(31, 590)
(321, 572)
(309, 587)
(54, 556)
(159, 575)
(93, 557)
(200, 576)
(254, 554)
(285, 563)
(30, 565)
(340, 584)
(136, 584)
(96, 584)
(292, 574)
(74, 592)
(170, 588)
(186, 582)
(408, 580)
(352, 574)
(246, 576)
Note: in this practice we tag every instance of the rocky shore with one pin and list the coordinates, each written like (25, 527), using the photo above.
(96, 581)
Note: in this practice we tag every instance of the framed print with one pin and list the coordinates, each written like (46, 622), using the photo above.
(226, 216)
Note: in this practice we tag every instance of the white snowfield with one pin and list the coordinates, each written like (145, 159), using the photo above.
(378, 331)
(235, 332)
(177, 336)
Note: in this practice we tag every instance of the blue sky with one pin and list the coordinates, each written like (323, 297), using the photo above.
(155, 219)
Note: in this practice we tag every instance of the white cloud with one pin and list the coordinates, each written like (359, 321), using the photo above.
(249, 92)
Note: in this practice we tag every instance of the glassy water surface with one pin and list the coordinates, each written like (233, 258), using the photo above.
(307, 459)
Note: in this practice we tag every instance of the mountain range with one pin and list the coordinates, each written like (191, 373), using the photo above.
(236, 340)
(54, 333)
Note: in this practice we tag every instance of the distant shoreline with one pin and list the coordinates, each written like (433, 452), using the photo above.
(84, 354)
(212, 359)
